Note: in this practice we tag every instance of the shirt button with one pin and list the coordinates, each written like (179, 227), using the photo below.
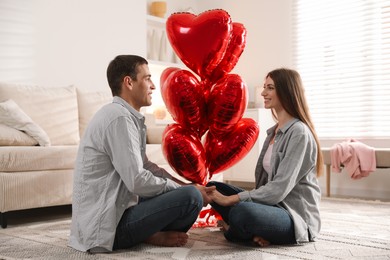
(123, 205)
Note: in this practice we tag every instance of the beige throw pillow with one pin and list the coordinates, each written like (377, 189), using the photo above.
(11, 137)
(13, 116)
(89, 102)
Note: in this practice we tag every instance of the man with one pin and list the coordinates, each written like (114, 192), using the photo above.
(120, 198)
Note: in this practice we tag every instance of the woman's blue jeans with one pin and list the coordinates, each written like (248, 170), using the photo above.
(249, 219)
(175, 210)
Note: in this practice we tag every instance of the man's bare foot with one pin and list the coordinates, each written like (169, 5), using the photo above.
(260, 241)
(223, 225)
(168, 238)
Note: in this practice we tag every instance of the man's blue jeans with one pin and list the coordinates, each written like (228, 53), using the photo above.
(175, 210)
(249, 219)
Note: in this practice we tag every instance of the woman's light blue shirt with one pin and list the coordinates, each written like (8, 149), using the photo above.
(292, 184)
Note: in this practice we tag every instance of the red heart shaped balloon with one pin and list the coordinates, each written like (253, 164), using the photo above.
(185, 153)
(200, 41)
(166, 73)
(210, 45)
(223, 152)
(234, 50)
(226, 104)
(184, 99)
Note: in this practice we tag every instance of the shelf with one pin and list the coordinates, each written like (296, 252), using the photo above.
(166, 64)
(159, 50)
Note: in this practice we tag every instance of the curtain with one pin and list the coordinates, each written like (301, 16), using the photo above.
(16, 41)
(342, 51)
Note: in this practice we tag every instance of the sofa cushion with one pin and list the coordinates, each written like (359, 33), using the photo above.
(52, 108)
(11, 137)
(89, 102)
(13, 116)
(37, 158)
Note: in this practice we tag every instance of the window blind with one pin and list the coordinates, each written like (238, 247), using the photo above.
(16, 41)
(342, 51)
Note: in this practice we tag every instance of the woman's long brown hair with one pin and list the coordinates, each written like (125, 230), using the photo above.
(291, 93)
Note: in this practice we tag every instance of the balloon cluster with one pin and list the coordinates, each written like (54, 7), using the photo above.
(211, 104)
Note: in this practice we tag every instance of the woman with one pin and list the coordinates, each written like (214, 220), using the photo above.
(284, 206)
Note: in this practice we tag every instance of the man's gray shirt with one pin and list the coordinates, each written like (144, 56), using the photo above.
(111, 171)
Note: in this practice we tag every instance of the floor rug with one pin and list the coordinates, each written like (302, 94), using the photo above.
(351, 229)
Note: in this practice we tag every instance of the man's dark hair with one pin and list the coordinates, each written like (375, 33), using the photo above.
(121, 66)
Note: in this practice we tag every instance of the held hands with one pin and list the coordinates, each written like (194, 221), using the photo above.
(206, 191)
(223, 200)
(210, 194)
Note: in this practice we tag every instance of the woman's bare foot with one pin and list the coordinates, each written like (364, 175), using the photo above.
(260, 241)
(168, 238)
(223, 225)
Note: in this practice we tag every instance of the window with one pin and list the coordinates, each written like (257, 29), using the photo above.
(342, 51)
(16, 41)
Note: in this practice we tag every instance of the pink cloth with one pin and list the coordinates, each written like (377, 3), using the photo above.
(357, 158)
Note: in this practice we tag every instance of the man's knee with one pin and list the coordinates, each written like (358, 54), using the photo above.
(193, 194)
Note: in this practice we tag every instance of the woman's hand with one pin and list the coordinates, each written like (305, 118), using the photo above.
(206, 191)
(223, 200)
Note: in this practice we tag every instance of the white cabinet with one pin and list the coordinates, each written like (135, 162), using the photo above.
(244, 170)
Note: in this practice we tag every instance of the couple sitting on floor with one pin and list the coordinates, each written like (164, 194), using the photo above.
(121, 199)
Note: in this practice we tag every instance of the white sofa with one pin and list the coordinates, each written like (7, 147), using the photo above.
(36, 161)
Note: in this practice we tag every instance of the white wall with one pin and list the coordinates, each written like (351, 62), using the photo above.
(75, 40)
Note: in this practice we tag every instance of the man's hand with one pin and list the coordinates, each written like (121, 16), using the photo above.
(206, 191)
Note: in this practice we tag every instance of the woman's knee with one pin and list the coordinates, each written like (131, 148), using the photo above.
(240, 213)
(212, 183)
(225, 188)
(271, 223)
(248, 214)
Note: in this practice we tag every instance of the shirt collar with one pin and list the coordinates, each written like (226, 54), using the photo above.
(284, 128)
(126, 105)
(289, 124)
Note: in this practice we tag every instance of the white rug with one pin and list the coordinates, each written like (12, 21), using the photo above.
(352, 229)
